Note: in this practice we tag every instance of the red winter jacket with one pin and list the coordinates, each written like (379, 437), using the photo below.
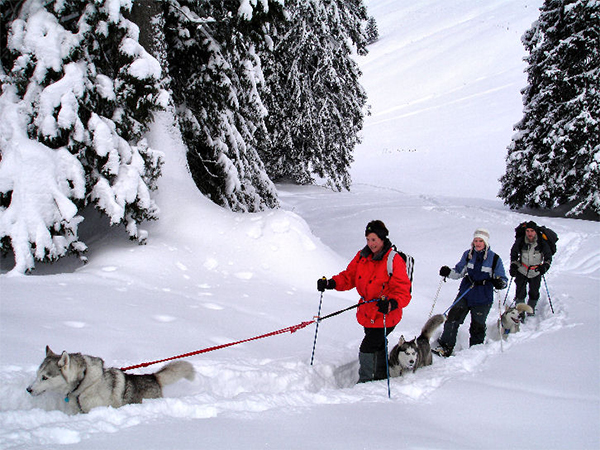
(370, 278)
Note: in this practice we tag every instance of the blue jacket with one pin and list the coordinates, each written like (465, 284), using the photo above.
(478, 271)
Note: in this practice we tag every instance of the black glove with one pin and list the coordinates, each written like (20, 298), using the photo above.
(498, 283)
(324, 283)
(386, 306)
(543, 268)
(513, 270)
(444, 271)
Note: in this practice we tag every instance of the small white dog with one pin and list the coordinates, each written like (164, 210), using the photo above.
(510, 322)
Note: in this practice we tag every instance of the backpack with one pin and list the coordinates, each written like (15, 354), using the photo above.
(545, 233)
(409, 260)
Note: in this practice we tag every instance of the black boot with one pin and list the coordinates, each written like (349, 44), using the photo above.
(442, 350)
(366, 368)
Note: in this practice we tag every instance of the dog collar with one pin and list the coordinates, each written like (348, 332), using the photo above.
(67, 399)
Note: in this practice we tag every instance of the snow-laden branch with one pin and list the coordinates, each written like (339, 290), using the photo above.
(41, 219)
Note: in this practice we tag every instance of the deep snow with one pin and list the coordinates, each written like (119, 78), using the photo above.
(443, 83)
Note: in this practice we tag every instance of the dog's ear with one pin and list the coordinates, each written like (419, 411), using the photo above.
(402, 340)
(49, 352)
(64, 360)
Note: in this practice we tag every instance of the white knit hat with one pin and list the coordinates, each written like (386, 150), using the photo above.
(484, 234)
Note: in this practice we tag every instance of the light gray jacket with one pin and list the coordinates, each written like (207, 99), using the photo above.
(529, 255)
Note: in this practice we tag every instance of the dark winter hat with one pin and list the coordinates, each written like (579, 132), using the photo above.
(531, 224)
(377, 227)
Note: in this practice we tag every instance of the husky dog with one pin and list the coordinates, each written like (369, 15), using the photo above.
(510, 321)
(411, 355)
(84, 381)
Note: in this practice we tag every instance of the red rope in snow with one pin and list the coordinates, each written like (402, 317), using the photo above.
(291, 329)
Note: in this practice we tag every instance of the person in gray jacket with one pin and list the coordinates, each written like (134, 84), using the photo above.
(530, 258)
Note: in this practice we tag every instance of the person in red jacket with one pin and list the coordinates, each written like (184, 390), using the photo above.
(380, 294)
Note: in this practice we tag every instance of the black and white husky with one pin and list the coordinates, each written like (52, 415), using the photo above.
(510, 321)
(86, 384)
(411, 355)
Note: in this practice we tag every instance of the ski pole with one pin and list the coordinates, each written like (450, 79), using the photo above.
(317, 329)
(346, 309)
(457, 300)
(436, 296)
(507, 290)
(548, 292)
(500, 322)
(387, 363)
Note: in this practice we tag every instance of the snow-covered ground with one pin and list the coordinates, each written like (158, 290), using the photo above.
(443, 83)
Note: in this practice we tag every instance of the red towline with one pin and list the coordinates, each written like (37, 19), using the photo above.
(291, 329)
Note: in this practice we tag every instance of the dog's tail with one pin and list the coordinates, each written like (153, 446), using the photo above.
(175, 371)
(431, 325)
(524, 307)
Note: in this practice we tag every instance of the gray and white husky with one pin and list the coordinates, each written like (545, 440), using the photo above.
(411, 355)
(510, 321)
(86, 384)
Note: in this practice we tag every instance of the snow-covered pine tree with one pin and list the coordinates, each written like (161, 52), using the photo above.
(371, 31)
(315, 101)
(8, 12)
(554, 158)
(74, 107)
(216, 83)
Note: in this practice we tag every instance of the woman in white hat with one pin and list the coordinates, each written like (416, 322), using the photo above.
(481, 271)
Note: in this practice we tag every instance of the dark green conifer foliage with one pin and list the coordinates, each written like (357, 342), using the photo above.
(554, 158)
(371, 31)
(217, 87)
(315, 100)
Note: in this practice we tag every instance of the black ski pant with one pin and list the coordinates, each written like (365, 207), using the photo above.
(374, 339)
(521, 283)
(457, 315)
(374, 344)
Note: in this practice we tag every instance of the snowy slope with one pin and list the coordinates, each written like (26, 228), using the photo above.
(444, 94)
(209, 277)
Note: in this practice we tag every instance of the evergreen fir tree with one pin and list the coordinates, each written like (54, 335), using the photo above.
(9, 11)
(79, 97)
(554, 158)
(371, 32)
(217, 88)
(315, 101)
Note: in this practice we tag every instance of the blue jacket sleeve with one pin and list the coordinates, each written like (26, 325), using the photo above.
(460, 269)
(499, 271)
